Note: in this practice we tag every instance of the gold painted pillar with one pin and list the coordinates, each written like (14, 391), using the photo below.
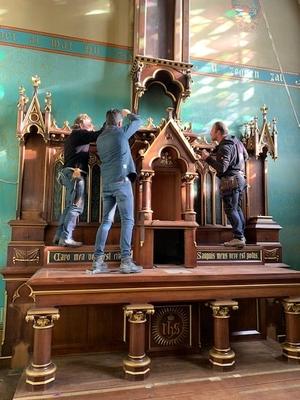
(291, 346)
(221, 356)
(137, 365)
(41, 371)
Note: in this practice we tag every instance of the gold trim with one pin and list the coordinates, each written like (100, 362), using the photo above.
(37, 374)
(41, 365)
(138, 307)
(43, 327)
(222, 350)
(33, 383)
(162, 288)
(137, 357)
(133, 364)
(137, 373)
(214, 354)
(222, 365)
(290, 347)
(4, 318)
(289, 356)
(16, 294)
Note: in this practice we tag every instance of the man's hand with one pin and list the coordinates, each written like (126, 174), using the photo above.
(125, 112)
(204, 154)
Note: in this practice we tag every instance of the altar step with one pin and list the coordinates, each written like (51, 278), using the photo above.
(57, 256)
(221, 255)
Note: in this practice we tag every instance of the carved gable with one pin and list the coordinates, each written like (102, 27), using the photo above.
(170, 137)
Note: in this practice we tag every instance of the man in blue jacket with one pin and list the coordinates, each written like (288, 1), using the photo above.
(118, 172)
(229, 162)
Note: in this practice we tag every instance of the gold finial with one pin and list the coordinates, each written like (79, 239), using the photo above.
(170, 112)
(150, 123)
(36, 81)
(23, 99)
(22, 90)
(264, 110)
(66, 126)
(48, 101)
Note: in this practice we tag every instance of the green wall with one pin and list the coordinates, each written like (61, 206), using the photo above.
(237, 102)
(77, 85)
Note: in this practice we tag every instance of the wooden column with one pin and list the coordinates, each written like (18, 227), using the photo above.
(189, 213)
(137, 365)
(41, 372)
(291, 346)
(146, 179)
(221, 355)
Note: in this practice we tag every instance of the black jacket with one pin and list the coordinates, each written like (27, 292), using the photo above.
(230, 157)
(76, 148)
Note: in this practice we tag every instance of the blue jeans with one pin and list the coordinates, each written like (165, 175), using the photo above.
(116, 194)
(75, 190)
(233, 208)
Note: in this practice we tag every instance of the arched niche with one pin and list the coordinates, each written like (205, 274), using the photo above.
(154, 102)
(166, 184)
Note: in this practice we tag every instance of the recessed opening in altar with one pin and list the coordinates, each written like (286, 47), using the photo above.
(166, 186)
(169, 246)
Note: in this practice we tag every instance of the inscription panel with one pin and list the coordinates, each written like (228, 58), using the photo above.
(229, 255)
(73, 257)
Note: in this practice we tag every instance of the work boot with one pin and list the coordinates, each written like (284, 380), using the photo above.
(129, 267)
(69, 243)
(98, 266)
(238, 243)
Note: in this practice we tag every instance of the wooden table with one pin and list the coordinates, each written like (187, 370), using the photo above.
(221, 286)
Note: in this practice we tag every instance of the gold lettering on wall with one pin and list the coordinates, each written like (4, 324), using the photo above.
(60, 44)
(92, 50)
(34, 40)
(7, 36)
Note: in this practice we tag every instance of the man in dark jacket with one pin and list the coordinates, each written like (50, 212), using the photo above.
(72, 176)
(229, 162)
(118, 172)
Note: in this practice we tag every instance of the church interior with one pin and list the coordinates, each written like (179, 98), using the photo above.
(202, 319)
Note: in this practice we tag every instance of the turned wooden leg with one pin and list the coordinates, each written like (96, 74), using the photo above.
(137, 365)
(41, 372)
(221, 356)
(291, 346)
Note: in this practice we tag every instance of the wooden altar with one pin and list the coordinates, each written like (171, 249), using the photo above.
(178, 238)
(139, 294)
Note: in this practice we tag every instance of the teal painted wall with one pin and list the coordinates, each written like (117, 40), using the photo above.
(77, 85)
(237, 102)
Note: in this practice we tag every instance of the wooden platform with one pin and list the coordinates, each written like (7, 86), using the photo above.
(220, 286)
(54, 287)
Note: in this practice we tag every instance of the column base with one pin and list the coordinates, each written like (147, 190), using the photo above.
(40, 377)
(222, 359)
(136, 369)
(291, 351)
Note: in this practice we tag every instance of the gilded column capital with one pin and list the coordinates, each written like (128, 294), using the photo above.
(189, 177)
(291, 305)
(138, 313)
(146, 175)
(221, 308)
(42, 318)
